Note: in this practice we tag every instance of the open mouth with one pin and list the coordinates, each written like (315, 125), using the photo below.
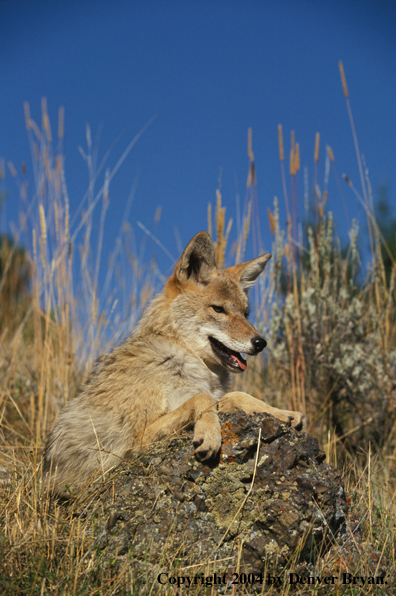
(230, 359)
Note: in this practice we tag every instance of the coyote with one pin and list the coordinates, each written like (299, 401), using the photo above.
(171, 372)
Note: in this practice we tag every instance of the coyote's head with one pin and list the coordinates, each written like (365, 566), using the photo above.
(209, 306)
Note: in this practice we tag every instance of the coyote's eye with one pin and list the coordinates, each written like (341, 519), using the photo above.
(217, 308)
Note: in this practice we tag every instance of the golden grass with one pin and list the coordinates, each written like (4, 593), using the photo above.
(311, 298)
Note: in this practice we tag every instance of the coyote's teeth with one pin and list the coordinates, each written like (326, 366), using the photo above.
(229, 358)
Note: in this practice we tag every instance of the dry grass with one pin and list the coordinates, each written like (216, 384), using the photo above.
(331, 354)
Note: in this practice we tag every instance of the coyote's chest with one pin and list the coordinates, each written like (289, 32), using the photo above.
(183, 376)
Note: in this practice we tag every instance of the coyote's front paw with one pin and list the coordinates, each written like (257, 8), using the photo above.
(298, 420)
(207, 439)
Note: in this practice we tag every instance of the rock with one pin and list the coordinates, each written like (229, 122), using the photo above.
(256, 504)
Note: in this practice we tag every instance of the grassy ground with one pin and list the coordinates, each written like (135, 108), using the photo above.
(331, 333)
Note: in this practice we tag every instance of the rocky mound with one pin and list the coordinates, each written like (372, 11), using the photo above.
(269, 494)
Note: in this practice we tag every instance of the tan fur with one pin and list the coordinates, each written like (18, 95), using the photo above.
(166, 375)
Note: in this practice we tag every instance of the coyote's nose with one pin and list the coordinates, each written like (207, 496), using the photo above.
(259, 344)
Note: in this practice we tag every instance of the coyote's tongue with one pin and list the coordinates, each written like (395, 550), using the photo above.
(232, 360)
(240, 361)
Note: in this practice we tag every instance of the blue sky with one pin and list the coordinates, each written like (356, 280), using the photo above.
(207, 71)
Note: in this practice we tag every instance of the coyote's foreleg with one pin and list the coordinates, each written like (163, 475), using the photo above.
(237, 400)
(202, 409)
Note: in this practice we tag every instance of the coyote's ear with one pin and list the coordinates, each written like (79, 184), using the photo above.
(247, 273)
(198, 259)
